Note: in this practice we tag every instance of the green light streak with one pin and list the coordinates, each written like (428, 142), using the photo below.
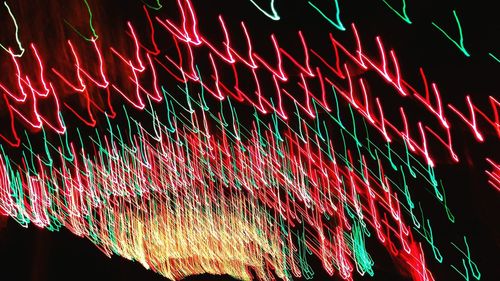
(402, 15)
(92, 29)
(459, 45)
(157, 7)
(273, 15)
(494, 57)
(472, 265)
(337, 23)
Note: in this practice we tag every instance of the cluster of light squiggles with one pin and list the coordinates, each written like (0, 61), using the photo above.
(195, 191)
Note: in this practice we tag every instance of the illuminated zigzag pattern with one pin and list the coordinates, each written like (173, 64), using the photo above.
(318, 168)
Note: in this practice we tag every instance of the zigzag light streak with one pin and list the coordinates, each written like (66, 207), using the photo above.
(127, 198)
(197, 193)
(145, 64)
(183, 165)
